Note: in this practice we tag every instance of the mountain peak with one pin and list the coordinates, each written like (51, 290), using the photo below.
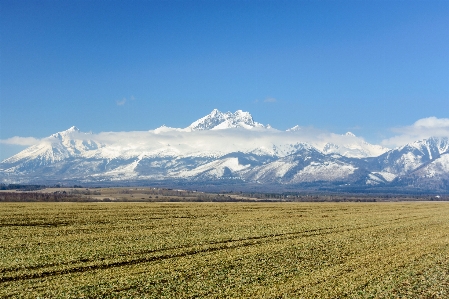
(293, 129)
(438, 145)
(350, 134)
(73, 129)
(217, 120)
(215, 112)
(65, 133)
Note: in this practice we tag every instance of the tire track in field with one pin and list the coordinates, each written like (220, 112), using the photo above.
(204, 248)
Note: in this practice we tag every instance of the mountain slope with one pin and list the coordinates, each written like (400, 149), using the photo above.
(55, 148)
(432, 175)
(412, 156)
(305, 165)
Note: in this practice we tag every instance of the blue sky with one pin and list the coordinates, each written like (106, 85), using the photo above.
(360, 66)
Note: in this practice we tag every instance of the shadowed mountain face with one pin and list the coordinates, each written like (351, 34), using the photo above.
(231, 146)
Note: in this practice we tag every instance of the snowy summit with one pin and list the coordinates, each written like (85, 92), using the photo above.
(218, 120)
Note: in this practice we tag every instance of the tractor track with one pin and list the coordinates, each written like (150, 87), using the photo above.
(191, 250)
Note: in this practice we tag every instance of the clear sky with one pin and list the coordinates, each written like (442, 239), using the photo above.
(360, 66)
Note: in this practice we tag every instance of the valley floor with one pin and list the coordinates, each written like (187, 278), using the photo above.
(224, 250)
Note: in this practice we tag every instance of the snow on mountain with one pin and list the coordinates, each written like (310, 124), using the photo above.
(349, 145)
(411, 156)
(57, 147)
(269, 140)
(436, 168)
(307, 164)
(379, 178)
(218, 120)
(221, 168)
(431, 176)
(327, 171)
(293, 129)
(230, 146)
(350, 134)
(280, 168)
(357, 149)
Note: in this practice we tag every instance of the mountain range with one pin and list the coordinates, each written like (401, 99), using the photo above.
(229, 149)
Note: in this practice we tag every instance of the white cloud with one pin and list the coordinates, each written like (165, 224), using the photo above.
(179, 142)
(270, 100)
(121, 102)
(432, 122)
(23, 141)
(421, 129)
(124, 100)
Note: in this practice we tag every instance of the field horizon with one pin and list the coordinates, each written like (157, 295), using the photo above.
(77, 193)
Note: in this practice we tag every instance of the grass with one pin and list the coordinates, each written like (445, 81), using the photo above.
(222, 250)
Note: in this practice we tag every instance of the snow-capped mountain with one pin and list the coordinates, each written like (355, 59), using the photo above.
(347, 145)
(305, 165)
(55, 148)
(217, 120)
(352, 147)
(412, 156)
(231, 146)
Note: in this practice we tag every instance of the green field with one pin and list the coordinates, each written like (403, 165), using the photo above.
(224, 250)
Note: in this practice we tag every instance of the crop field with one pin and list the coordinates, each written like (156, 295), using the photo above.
(224, 250)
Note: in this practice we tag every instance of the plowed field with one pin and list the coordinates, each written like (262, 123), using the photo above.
(224, 250)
